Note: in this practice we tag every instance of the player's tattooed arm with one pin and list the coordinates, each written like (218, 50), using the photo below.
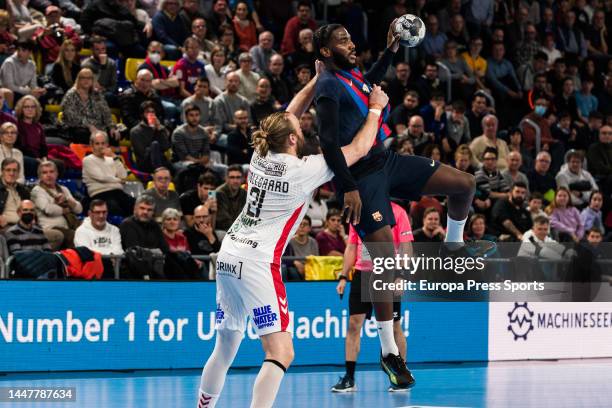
(303, 99)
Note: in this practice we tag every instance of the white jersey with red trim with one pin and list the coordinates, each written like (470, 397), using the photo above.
(280, 189)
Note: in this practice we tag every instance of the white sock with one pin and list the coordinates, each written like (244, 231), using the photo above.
(266, 385)
(215, 370)
(206, 400)
(454, 230)
(387, 339)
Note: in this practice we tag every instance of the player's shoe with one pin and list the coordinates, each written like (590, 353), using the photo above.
(346, 384)
(471, 249)
(397, 388)
(395, 367)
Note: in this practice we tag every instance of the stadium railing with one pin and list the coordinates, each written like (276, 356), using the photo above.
(6, 266)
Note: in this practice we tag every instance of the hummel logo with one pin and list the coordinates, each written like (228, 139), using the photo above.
(283, 304)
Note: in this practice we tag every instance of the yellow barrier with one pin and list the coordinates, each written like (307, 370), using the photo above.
(323, 267)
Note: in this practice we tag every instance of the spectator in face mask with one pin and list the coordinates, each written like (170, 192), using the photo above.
(26, 234)
(538, 115)
(163, 82)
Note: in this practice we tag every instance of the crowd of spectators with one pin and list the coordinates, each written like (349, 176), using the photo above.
(516, 92)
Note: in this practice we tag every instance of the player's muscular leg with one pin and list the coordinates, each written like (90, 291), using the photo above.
(380, 245)
(279, 355)
(279, 347)
(353, 340)
(457, 185)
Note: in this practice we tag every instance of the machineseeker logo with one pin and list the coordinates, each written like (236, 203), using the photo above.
(523, 320)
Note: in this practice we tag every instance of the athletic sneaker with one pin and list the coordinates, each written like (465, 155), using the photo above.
(346, 384)
(471, 249)
(397, 388)
(396, 369)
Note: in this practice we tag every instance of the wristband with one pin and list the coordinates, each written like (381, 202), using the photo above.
(341, 277)
(377, 112)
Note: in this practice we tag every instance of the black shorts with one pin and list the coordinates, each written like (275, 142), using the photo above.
(402, 177)
(357, 306)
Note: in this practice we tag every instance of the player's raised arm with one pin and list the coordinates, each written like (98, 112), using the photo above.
(376, 74)
(303, 99)
(364, 139)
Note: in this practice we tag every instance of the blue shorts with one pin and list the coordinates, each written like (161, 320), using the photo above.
(402, 177)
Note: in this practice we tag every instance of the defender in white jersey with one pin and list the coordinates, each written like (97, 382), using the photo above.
(249, 283)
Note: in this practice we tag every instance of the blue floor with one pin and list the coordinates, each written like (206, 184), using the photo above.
(575, 383)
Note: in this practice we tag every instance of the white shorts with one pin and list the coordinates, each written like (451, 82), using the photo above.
(247, 288)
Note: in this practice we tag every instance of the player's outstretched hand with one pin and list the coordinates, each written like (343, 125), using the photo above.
(319, 67)
(393, 38)
(352, 207)
(378, 98)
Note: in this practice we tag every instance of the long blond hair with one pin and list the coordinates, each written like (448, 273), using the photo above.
(64, 63)
(272, 134)
(77, 81)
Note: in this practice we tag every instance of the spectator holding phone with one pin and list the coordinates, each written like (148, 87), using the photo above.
(203, 194)
(150, 139)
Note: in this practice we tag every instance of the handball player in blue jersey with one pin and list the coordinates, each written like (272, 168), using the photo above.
(365, 188)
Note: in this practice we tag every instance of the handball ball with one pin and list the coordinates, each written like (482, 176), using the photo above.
(411, 29)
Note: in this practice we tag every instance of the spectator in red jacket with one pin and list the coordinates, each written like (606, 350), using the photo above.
(244, 27)
(294, 25)
(171, 223)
